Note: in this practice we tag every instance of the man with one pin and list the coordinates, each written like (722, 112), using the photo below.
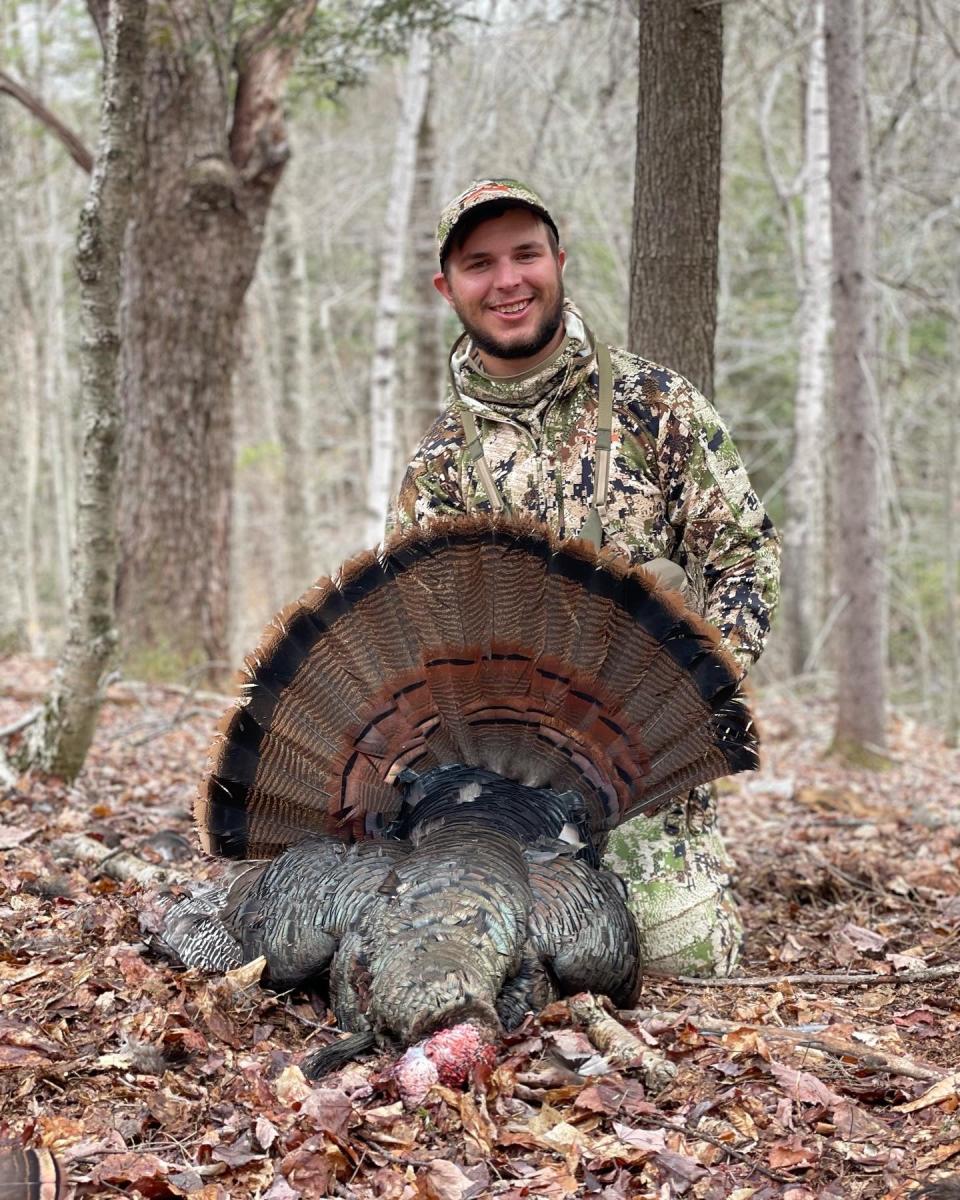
(525, 431)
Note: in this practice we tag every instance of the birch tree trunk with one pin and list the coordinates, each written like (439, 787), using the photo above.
(861, 641)
(13, 615)
(676, 199)
(803, 534)
(428, 350)
(293, 319)
(58, 742)
(380, 478)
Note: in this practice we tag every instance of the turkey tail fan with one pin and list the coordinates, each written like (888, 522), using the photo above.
(475, 641)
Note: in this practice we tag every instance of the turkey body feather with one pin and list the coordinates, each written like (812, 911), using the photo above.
(431, 750)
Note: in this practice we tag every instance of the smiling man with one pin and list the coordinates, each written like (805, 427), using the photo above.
(603, 444)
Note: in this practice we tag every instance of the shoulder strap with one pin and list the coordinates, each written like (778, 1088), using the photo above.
(474, 448)
(592, 530)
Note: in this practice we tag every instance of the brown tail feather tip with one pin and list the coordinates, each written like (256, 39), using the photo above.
(395, 661)
(27, 1174)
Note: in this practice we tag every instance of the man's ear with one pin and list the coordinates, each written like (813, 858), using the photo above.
(440, 283)
(562, 259)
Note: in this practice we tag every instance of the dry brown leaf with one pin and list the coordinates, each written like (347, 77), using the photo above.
(444, 1180)
(801, 1085)
(938, 1155)
(246, 976)
(945, 1089)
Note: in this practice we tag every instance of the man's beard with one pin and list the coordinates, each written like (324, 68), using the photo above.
(538, 340)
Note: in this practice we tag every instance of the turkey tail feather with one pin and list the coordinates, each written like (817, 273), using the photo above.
(475, 641)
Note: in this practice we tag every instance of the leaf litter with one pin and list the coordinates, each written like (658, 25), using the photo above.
(154, 1082)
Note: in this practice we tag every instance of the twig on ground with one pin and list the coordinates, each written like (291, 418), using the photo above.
(817, 1039)
(920, 975)
(697, 1134)
(117, 864)
(617, 1044)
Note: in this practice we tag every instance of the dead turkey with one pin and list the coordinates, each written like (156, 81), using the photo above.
(429, 752)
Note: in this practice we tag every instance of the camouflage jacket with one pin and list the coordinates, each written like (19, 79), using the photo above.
(678, 489)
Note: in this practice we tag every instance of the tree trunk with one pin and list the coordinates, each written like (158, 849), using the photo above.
(13, 617)
(428, 350)
(208, 183)
(952, 566)
(59, 741)
(676, 200)
(861, 641)
(380, 478)
(803, 534)
(293, 426)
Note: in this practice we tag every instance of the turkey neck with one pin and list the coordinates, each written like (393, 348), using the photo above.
(452, 929)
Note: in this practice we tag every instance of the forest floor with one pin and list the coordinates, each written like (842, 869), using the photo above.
(148, 1081)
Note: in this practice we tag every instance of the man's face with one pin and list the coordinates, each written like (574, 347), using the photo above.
(505, 285)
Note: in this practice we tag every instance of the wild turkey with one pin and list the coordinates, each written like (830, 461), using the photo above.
(429, 752)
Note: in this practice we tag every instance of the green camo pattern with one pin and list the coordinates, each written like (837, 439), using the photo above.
(678, 491)
(486, 191)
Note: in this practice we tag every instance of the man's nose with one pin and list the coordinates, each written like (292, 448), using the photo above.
(506, 273)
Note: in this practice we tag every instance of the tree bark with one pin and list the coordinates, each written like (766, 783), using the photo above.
(804, 530)
(58, 742)
(380, 479)
(13, 615)
(293, 332)
(676, 204)
(208, 183)
(861, 641)
(427, 385)
(952, 567)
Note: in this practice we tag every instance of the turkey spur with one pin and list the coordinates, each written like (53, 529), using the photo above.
(429, 753)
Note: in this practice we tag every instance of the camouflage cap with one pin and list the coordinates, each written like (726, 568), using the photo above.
(487, 191)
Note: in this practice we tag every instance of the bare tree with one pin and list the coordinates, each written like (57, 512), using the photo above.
(58, 742)
(803, 532)
(676, 200)
(380, 476)
(859, 567)
(427, 376)
(12, 539)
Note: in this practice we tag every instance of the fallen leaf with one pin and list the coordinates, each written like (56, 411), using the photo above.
(791, 1153)
(652, 1140)
(801, 1085)
(12, 836)
(246, 976)
(445, 1181)
(940, 1091)
(129, 1168)
(291, 1086)
(937, 1156)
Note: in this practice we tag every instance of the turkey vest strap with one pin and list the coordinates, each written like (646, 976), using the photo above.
(474, 448)
(592, 530)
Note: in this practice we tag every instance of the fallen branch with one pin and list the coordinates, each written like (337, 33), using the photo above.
(820, 1039)
(921, 975)
(120, 864)
(618, 1045)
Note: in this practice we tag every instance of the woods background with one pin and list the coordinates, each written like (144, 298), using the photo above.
(282, 347)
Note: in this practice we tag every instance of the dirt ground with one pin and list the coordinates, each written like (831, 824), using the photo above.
(832, 1075)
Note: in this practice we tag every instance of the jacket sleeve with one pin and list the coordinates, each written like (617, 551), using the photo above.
(721, 522)
(431, 485)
